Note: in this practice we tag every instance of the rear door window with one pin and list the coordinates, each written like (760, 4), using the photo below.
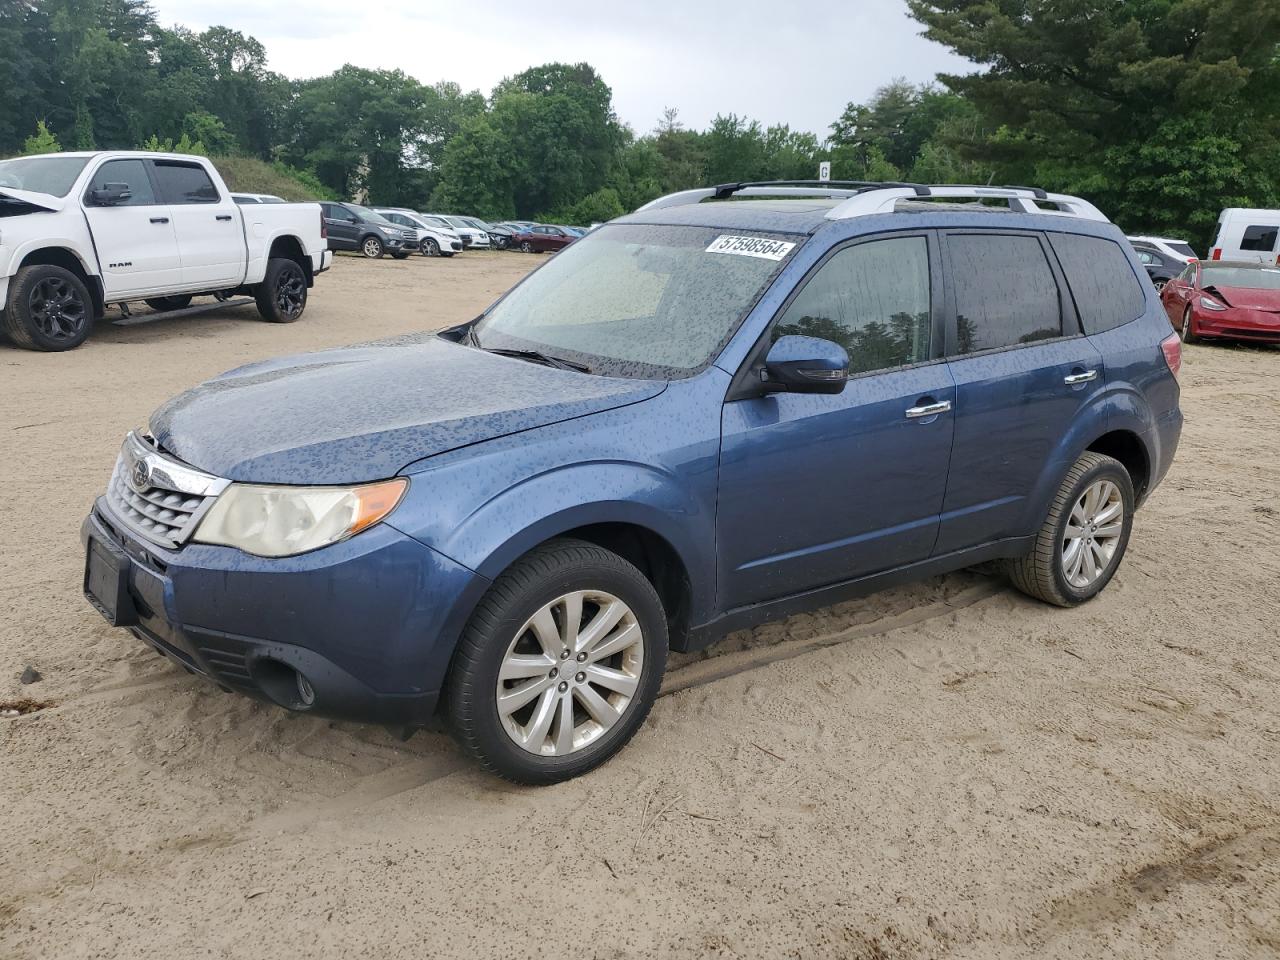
(1260, 237)
(1104, 286)
(184, 182)
(1004, 290)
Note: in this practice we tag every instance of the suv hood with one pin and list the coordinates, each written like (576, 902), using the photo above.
(44, 201)
(364, 413)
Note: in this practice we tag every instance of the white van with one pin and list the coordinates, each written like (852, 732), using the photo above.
(1247, 234)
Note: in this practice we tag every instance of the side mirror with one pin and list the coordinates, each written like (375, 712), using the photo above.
(805, 365)
(110, 194)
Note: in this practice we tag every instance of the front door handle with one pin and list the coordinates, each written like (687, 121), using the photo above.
(928, 409)
(224, 216)
(1083, 376)
(159, 219)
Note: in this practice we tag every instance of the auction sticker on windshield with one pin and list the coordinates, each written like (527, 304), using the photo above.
(751, 247)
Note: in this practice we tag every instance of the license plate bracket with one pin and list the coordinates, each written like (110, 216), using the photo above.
(106, 582)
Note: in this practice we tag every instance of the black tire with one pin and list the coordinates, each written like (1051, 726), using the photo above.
(526, 246)
(447, 253)
(372, 247)
(1041, 572)
(49, 309)
(176, 302)
(400, 255)
(550, 571)
(429, 248)
(1187, 334)
(282, 295)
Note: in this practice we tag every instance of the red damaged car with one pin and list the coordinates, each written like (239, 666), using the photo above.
(1225, 299)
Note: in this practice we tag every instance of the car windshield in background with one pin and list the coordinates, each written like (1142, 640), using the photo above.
(52, 175)
(641, 301)
(1242, 277)
(368, 214)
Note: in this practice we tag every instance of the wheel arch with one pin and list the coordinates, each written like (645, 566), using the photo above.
(289, 247)
(69, 260)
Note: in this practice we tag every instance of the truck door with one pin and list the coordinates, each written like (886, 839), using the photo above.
(135, 239)
(211, 241)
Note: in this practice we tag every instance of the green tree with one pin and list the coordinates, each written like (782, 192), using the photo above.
(1161, 111)
(42, 141)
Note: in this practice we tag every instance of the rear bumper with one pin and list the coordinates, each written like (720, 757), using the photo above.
(322, 261)
(370, 622)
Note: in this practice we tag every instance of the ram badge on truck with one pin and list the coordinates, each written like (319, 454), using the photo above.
(79, 231)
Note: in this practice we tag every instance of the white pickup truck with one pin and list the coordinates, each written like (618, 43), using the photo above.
(79, 231)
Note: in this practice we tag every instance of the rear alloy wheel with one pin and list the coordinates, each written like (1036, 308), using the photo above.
(1083, 539)
(559, 665)
(163, 304)
(1159, 284)
(282, 295)
(49, 309)
(429, 248)
(1188, 331)
(371, 248)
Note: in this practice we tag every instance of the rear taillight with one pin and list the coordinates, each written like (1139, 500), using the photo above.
(1172, 347)
(1217, 254)
(324, 227)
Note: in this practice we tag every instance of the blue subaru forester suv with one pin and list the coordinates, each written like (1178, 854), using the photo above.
(729, 406)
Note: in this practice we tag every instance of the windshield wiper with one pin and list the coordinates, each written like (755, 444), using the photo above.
(535, 357)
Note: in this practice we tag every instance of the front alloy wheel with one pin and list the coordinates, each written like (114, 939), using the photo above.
(526, 246)
(570, 673)
(559, 664)
(372, 248)
(1188, 331)
(58, 310)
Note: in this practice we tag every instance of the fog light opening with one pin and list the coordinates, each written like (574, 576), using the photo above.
(283, 684)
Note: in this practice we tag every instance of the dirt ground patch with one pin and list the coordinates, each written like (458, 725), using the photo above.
(944, 770)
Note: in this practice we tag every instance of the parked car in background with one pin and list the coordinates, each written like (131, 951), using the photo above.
(701, 417)
(250, 198)
(1225, 299)
(1160, 265)
(543, 238)
(501, 234)
(473, 238)
(1247, 234)
(573, 231)
(434, 240)
(1173, 248)
(353, 227)
(79, 231)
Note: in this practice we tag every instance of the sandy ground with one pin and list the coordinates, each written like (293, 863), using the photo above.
(945, 770)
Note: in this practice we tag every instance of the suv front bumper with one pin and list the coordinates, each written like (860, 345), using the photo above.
(370, 622)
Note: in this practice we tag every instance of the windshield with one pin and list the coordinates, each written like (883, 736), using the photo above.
(478, 224)
(1242, 277)
(52, 175)
(457, 222)
(367, 214)
(638, 300)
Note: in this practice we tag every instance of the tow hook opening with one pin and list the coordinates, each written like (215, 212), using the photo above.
(282, 683)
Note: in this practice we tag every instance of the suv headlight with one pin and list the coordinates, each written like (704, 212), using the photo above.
(283, 521)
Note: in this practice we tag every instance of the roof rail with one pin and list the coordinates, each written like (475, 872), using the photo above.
(864, 198)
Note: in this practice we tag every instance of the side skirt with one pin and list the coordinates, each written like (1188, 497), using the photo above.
(743, 618)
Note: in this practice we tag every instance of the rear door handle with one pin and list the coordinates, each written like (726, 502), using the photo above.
(159, 219)
(1083, 377)
(224, 216)
(928, 409)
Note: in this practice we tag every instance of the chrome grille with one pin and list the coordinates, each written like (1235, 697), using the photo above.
(167, 505)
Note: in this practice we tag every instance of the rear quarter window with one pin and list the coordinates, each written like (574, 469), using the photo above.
(1106, 291)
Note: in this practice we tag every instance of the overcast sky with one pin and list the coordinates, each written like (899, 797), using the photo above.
(773, 62)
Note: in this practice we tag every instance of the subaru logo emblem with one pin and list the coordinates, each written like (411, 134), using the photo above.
(140, 475)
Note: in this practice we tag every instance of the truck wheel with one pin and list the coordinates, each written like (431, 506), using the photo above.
(559, 665)
(282, 295)
(1083, 539)
(49, 309)
(371, 247)
(176, 302)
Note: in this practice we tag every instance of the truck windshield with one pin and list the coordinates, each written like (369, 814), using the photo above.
(51, 175)
(638, 300)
